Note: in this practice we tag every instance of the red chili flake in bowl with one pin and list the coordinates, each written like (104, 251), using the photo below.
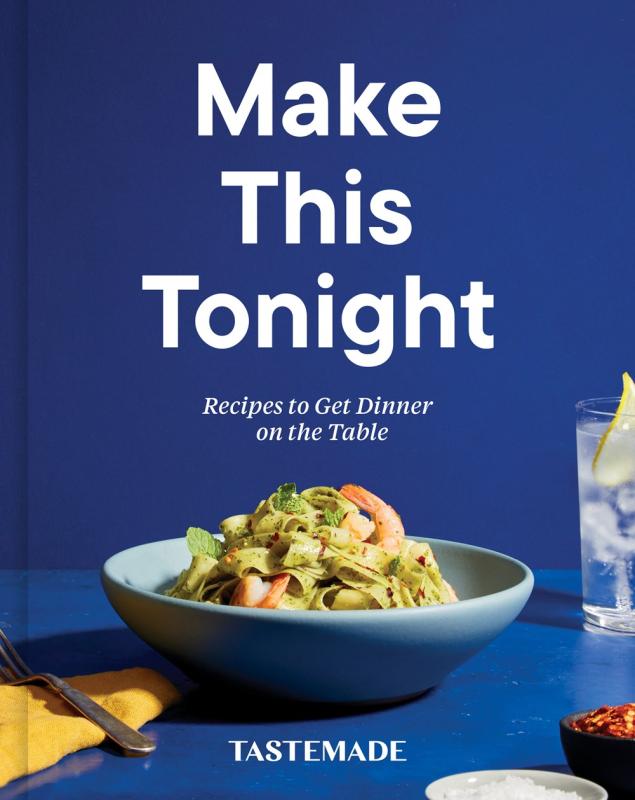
(616, 721)
(422, 560)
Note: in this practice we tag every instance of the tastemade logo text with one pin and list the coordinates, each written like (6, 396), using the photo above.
(317, 750)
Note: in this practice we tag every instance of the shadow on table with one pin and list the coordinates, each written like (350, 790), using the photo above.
(563, 769)
(553, 608)
(99, 650)
(228, 703)
(118, 648)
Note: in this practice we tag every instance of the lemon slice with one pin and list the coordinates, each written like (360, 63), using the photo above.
(614, 460)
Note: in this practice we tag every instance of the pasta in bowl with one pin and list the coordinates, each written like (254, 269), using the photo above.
(313, 550)
(251, 620)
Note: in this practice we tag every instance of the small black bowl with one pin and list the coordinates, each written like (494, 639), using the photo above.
(607, 760)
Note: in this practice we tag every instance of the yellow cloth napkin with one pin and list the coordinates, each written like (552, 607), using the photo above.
(38, 728)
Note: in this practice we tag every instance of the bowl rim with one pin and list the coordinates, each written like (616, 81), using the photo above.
(528, 773)
(526, 583)
(566, 721)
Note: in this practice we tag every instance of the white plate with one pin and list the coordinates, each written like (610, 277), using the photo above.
(550, 780)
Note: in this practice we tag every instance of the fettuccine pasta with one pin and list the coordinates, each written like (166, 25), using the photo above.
(313, 550)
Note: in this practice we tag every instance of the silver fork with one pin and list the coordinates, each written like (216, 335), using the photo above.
(15, 672)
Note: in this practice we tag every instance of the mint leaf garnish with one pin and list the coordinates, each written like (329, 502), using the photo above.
(201, 542)
(333, 518)
(287, 499)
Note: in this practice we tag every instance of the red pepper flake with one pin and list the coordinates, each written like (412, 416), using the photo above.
(616, 721)
(269, 545)
(422, 592)
(422, 560)
(275, 537)
(389, 592)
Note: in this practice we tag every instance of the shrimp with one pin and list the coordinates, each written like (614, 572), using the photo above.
(253, 592)
(389, 529)
(358, 525)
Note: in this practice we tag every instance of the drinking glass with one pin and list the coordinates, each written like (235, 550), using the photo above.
(607, 522)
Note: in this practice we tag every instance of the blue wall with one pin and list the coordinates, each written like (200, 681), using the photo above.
(13, 332)
(526, 184)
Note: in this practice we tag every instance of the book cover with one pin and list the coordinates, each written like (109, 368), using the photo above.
(318, 464)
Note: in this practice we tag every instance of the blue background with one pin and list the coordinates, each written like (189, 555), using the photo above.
(526, 184)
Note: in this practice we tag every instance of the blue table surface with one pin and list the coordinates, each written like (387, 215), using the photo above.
(500, 710)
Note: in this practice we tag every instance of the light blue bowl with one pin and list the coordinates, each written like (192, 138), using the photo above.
(339, 656)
